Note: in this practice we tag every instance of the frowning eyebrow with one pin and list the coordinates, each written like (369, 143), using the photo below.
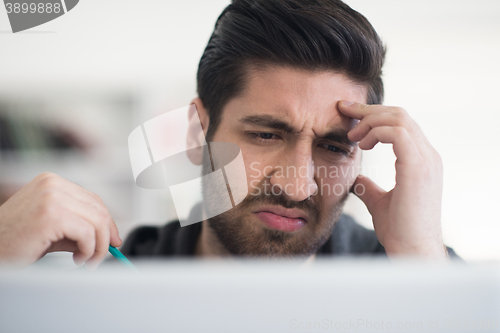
(339, 136)
(267, 121)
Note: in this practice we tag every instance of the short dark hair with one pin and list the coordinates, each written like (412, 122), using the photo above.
(313, 35)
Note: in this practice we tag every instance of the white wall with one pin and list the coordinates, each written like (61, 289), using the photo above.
(442, 66)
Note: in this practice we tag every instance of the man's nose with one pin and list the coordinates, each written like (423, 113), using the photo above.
(295, 177)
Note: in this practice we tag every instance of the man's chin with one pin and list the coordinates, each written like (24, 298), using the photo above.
(247, 235)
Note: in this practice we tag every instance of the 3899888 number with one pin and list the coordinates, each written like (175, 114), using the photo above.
(32, 7)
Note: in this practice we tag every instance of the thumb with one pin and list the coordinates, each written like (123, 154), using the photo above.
(369, 192)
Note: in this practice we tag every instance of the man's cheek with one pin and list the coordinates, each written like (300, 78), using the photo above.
(254, 170)
(255, 174)
(330, 188)
(254, 188)
(349, 173)
(336, 184)
(258, 168)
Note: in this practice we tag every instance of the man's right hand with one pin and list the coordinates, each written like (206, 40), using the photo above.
(52, 214)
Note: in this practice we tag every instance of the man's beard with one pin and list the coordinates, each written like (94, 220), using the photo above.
(240, 235)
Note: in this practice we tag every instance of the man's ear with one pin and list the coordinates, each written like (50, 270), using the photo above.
(202, 114)
(197, 129)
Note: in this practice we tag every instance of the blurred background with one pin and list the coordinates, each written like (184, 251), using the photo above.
(72, 90)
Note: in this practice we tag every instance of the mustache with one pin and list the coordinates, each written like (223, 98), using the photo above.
(259, 196)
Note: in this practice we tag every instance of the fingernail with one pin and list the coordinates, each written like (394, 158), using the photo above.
(347, 103)
(78, 261)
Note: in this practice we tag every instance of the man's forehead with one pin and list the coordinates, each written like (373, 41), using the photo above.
(298, 95)
(299, 98)
(319, 85)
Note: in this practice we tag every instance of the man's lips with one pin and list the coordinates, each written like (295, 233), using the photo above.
(280, 218)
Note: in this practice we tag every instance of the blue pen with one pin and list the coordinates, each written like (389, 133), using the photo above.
(121, 258)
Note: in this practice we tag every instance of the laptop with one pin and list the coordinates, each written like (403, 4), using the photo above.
(327, 295)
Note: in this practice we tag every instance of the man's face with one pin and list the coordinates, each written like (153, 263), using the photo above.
(300, 165)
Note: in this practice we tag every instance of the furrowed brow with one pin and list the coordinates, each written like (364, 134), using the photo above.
(338, 136)
(268, 122)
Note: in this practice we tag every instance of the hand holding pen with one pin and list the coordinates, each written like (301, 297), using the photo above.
(53, 214)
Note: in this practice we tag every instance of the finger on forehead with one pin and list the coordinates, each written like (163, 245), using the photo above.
(359, 110)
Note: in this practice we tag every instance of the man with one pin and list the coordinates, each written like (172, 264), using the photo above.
(297, 86)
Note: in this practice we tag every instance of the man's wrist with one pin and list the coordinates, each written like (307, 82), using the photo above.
(425, 252)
